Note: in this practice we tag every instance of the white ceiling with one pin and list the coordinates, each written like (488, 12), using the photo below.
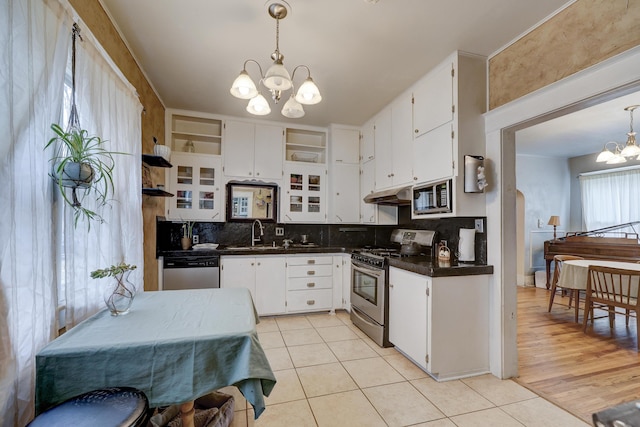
(361, 55)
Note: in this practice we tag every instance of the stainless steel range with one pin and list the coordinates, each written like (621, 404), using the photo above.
(369, 284)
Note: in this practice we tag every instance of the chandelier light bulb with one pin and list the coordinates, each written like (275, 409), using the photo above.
(259, 106)
(308, 94)
(243, 87)
(292, 109)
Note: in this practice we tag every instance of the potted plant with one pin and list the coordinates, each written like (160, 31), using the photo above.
(118, 295)
(81, 161)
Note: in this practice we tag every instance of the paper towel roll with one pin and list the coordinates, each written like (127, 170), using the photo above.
(466, 245)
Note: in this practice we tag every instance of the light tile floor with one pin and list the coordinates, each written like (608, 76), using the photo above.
(330, 374)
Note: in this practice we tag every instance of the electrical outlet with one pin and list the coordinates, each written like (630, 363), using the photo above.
(479, 226)
(279, 231)
(196, 239)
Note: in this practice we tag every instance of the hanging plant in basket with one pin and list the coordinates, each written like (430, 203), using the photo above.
(81, 161)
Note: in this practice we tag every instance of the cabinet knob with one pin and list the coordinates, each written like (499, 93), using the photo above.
(311, 261)
(258, 263)
(250, 173)
(311, 285)
(311, 273)
(251, 263)
(311, 302)
(337, 194)
(390, 285)
(415, 178)
(257, 173)
(416, 131)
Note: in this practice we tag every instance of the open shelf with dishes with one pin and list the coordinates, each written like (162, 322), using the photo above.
(307, 146)
(195, 134)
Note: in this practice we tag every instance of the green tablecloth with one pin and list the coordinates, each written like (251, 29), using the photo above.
(174, 345)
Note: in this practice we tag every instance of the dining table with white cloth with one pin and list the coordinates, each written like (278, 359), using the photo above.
(175, 346)
(575, 273)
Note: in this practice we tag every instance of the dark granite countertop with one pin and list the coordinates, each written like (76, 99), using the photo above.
(257, 250)
(417, 264)
(426, 266)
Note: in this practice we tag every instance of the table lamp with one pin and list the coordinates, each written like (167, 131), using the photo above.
(555, 221)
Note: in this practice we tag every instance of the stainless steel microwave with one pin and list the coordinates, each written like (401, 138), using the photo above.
(434, 197)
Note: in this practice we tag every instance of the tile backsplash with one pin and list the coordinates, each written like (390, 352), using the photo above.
(333, 235)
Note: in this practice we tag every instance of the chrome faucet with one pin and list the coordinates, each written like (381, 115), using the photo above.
(255, 239)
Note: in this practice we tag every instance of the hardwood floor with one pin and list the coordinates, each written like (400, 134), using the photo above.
(582, 373)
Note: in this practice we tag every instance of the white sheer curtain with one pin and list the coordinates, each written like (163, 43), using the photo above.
(610, 198)
(34, 44)
(108, 106)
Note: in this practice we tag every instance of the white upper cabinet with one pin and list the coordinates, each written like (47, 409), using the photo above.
(401, 140)
(253, 150)
(196, 182)
(393, 144)
(433, 102)
(383, 149)
(368, 211)
(345, 193)
(367, 150)
(344, 174)
(433, 154)
(305, 195)
(345, 144)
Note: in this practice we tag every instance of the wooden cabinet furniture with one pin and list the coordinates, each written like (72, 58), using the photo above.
(342, 281)
(253, 150)
(196, 181)
(305, 196)
(309, 283)
(344, 175)
(193, 132)
(264, 276)
(441, 323)
(448, 103)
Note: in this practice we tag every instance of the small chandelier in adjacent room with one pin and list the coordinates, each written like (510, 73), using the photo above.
(619, 152)
(277, 79)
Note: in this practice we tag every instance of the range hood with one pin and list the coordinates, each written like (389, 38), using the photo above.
(394, 197)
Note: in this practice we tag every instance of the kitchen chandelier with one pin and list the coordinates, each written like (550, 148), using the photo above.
(620, 152)
(277, 79)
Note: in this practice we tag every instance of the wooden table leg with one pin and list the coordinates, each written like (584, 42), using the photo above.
(186, 413)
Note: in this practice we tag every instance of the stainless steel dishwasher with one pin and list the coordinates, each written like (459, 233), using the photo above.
(191, 272)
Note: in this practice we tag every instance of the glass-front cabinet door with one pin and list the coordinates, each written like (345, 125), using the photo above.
(305, 198)
(196, 182)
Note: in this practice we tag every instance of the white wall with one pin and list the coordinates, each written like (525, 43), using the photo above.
(545, 184)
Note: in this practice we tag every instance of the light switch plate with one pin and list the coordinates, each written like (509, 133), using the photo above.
(279, 231)
(479, 226)
(196, 239)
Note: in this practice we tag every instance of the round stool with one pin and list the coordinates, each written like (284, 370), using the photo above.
(108, 407)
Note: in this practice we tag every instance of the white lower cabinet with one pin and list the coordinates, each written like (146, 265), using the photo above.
(408, 314)
(264, 276)
(281, 284)
(441, 323)
(342, 281)
(309, 283)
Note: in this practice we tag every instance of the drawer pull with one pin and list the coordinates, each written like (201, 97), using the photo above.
(311, 261)
(311, 272)
(311, 285)
(311, 301)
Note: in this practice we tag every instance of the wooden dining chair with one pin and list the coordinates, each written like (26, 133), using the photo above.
(612, 287)
(574, 293)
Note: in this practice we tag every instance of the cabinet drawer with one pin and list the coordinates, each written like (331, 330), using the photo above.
(319, 299)
(310, 270)
(309, 260)
(304, 283)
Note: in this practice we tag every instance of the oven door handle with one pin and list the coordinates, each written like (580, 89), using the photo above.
(359, 316)
(374, 271)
